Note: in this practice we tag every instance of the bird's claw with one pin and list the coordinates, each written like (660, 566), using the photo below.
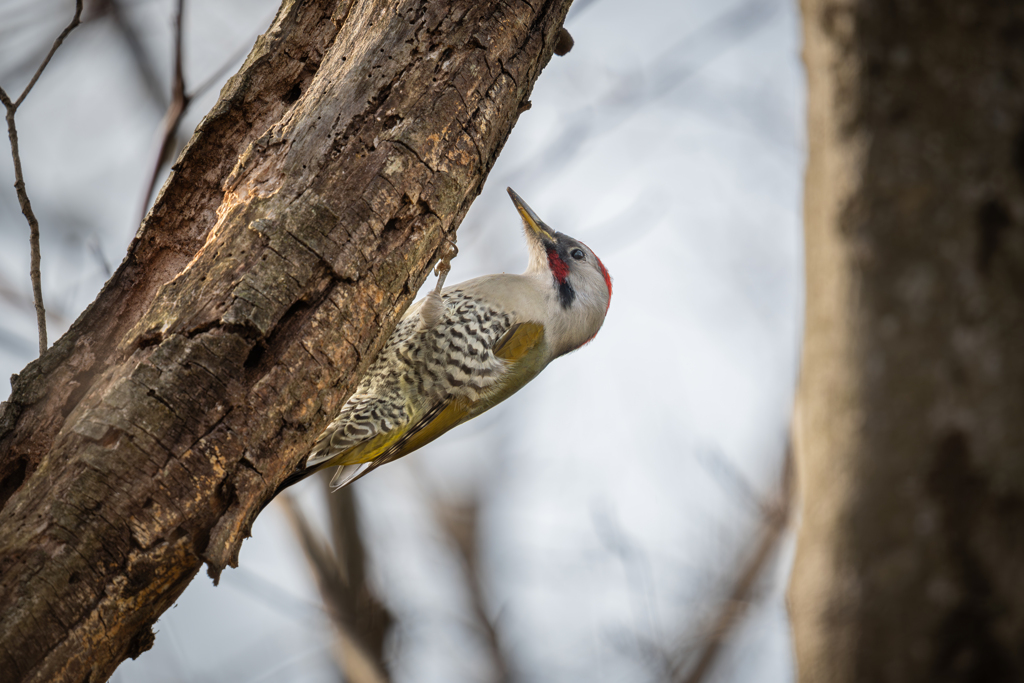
(445, 264)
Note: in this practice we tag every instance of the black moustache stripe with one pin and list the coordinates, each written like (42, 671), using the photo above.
(566, 294)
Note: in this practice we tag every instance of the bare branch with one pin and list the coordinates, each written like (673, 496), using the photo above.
(181, 98)
(175, 111)
(33, 224)
(75, 21)
(19, 178)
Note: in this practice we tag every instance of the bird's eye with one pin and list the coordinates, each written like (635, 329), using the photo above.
(577, 254)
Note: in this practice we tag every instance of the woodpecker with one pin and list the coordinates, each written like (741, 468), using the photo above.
(463, 349)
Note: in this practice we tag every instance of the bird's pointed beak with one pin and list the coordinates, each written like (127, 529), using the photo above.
(537, 227)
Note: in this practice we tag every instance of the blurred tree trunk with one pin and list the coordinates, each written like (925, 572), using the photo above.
(293, 232)
(910, 437)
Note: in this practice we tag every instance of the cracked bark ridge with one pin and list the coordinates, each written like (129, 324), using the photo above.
(910, 553)
(295, 228)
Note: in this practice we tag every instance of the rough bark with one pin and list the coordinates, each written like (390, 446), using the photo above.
(911, 402)
(294, 230)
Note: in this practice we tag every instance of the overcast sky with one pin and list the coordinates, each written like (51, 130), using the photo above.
(620, 488)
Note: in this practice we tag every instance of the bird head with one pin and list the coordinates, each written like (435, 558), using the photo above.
(581, 284)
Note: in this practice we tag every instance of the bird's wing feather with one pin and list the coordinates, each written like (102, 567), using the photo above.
(518, 341)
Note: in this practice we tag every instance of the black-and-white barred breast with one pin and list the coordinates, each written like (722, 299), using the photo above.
(458, 360)
(424, 364)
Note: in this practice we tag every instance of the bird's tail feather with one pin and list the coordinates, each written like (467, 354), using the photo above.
(346, 474)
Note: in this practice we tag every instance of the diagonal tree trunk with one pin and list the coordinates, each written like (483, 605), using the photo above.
(294, 230)
(910, 445)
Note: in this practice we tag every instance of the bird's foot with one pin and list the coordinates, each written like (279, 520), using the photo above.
(445, 264)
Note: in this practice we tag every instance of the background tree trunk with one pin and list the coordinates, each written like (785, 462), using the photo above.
(910, 444)
(145, 441)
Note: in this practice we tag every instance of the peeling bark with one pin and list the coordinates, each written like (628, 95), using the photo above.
(294, 230)
(911, 431)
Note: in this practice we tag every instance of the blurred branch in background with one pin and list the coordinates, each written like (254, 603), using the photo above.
(645, 637)
(460, 523)
(775, 516)
(18, 26)
(693, 661)
(633, 91)
(19, 178)
(640, 87)
(360, 620)
(141, 58)
(180, 100)
(172, 117)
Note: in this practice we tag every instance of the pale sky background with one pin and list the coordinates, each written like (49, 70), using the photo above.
(619, 488)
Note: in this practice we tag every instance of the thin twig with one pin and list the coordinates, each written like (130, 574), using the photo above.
(181, 98)
(33, 225)
(75, 21)
(35, 271)
(175, 111)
